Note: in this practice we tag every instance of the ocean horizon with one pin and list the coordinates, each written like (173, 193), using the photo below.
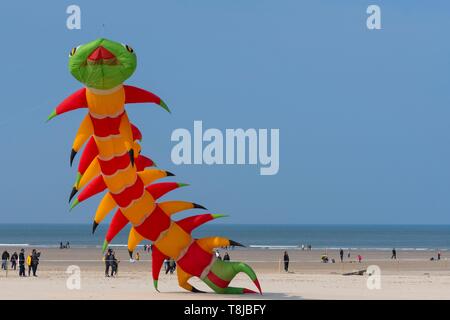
(257, 236)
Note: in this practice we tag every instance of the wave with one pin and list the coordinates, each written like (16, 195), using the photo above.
(270, 246)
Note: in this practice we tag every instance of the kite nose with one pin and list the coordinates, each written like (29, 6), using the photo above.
(100, 54)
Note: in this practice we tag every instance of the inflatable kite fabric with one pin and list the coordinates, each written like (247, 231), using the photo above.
(111, 161)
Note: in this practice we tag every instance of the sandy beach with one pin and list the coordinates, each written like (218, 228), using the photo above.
(412, 276)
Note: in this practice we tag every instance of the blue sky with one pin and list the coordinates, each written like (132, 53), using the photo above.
(363, 115)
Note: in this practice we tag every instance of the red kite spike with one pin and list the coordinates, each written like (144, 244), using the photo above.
(138, 95)
(94, 187)
(157, 190)
(190, 223)
(117, 224)
(88, 155)
(137, 135)
(157, 262)
(143, 162)
(75, 101)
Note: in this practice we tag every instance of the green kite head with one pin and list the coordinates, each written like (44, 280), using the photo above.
(102, 64)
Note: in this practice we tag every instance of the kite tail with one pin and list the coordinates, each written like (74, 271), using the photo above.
(221, 274)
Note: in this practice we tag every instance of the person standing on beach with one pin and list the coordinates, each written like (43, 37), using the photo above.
(29, 258)
(22, 263)
(286, 261)
(107, 262)
(172, 265)
(166, 265)
(341, 254)
(439, 255)
(14, 258)
(114, 264)
(226, 257)
(394, 254)
(5, 258)
(35, 261)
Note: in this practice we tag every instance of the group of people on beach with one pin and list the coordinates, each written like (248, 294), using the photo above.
(64, 246)
(112, 263)
(325, 259)
(437, 258)
(341, 255)
(226, 256)
(31, 260)
(170, 265)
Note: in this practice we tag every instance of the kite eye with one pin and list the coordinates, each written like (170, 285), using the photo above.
(129, 49)
(72, 52)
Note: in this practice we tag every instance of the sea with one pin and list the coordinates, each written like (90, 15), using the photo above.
(264, 237)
